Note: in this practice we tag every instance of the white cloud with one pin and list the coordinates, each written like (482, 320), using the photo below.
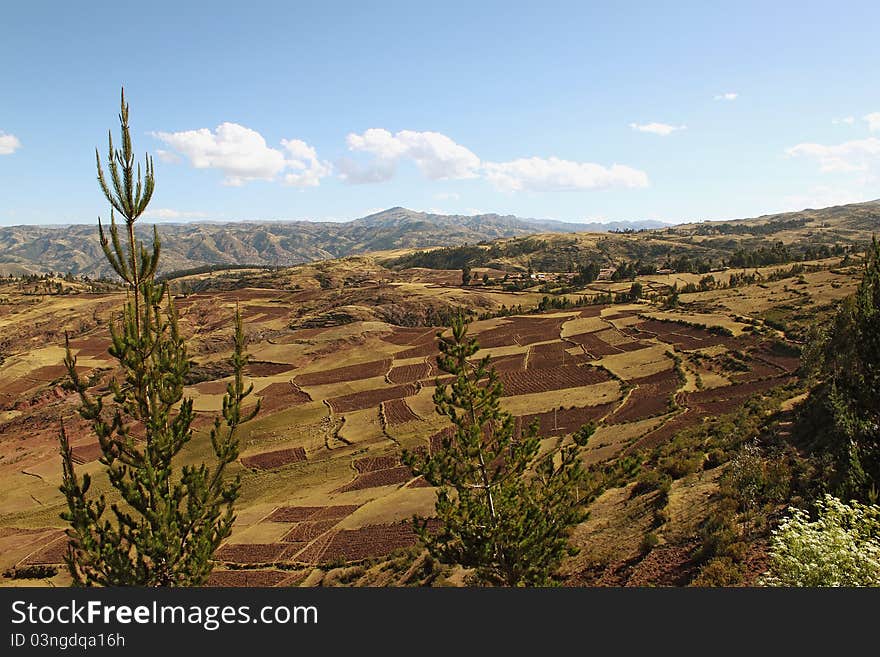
(243, 155)
(167, 156)
(8, 143)
(855, 155)
(437, 156)
(553, 174)
(440, 158)
(873, 120)
(730, 95)
(167, 214)
(662, 129)
(307, 168)
(847, 120)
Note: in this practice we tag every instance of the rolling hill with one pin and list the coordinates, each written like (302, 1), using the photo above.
(549, 245)
(40, 249)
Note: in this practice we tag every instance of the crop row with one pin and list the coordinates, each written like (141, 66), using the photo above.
(347, 373)
(369, 398)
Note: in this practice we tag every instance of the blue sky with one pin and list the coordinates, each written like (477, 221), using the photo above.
(331, 110)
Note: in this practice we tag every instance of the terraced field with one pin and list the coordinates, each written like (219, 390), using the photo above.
(322, 480)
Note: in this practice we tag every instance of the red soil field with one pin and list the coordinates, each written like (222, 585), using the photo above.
(650, 398)
(706, 403)
(398, 412)
(86, 453)
(736, 392)
(509, 363)
(266, 313)
(312, 551)
(409, 373)
(251, 552)
(368, 398)
(373, 463)
(594, 345)
(276, 459)
(521, 330)
(266, 368)
(553, 354)
(211, 387)
(564, 421)
(90, 347)
(307, 333)
(558, 378)
(757, 370)
(51, 553)
(367, 542)
(293, 513)
(529, 330)
(348, 373)
(681, 335)
(53, 372)
(665, 566)
(377, 478)
(664, 433)
(788, 364)
(283, 395)
(633, 346)
(435, 442)
(339, 511)
(303, 532)
(422, 349)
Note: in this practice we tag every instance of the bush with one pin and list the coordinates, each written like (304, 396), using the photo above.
(840, 548)
(714, 458)
(718, 532)
(720, 571)
(651, 480)
(681, 465)
(649, 542)
(37, 571)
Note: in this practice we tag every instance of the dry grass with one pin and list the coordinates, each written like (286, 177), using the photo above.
(643, 362)
(583, 325)
(400, 504)
(610, 440)
(541, 402)
(362, 427)
(710, 320)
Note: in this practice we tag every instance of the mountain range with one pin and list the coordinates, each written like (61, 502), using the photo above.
(76, 249)
(185, 246)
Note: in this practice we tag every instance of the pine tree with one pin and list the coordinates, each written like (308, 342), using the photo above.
(166, 524)
(848, 359)
(505, 509)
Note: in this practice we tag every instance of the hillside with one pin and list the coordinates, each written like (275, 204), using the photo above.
(343, 359)
(688, 375)
(509, 243)
(40, 249)
(696, 247)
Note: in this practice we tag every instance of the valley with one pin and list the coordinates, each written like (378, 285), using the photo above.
(343, 359)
